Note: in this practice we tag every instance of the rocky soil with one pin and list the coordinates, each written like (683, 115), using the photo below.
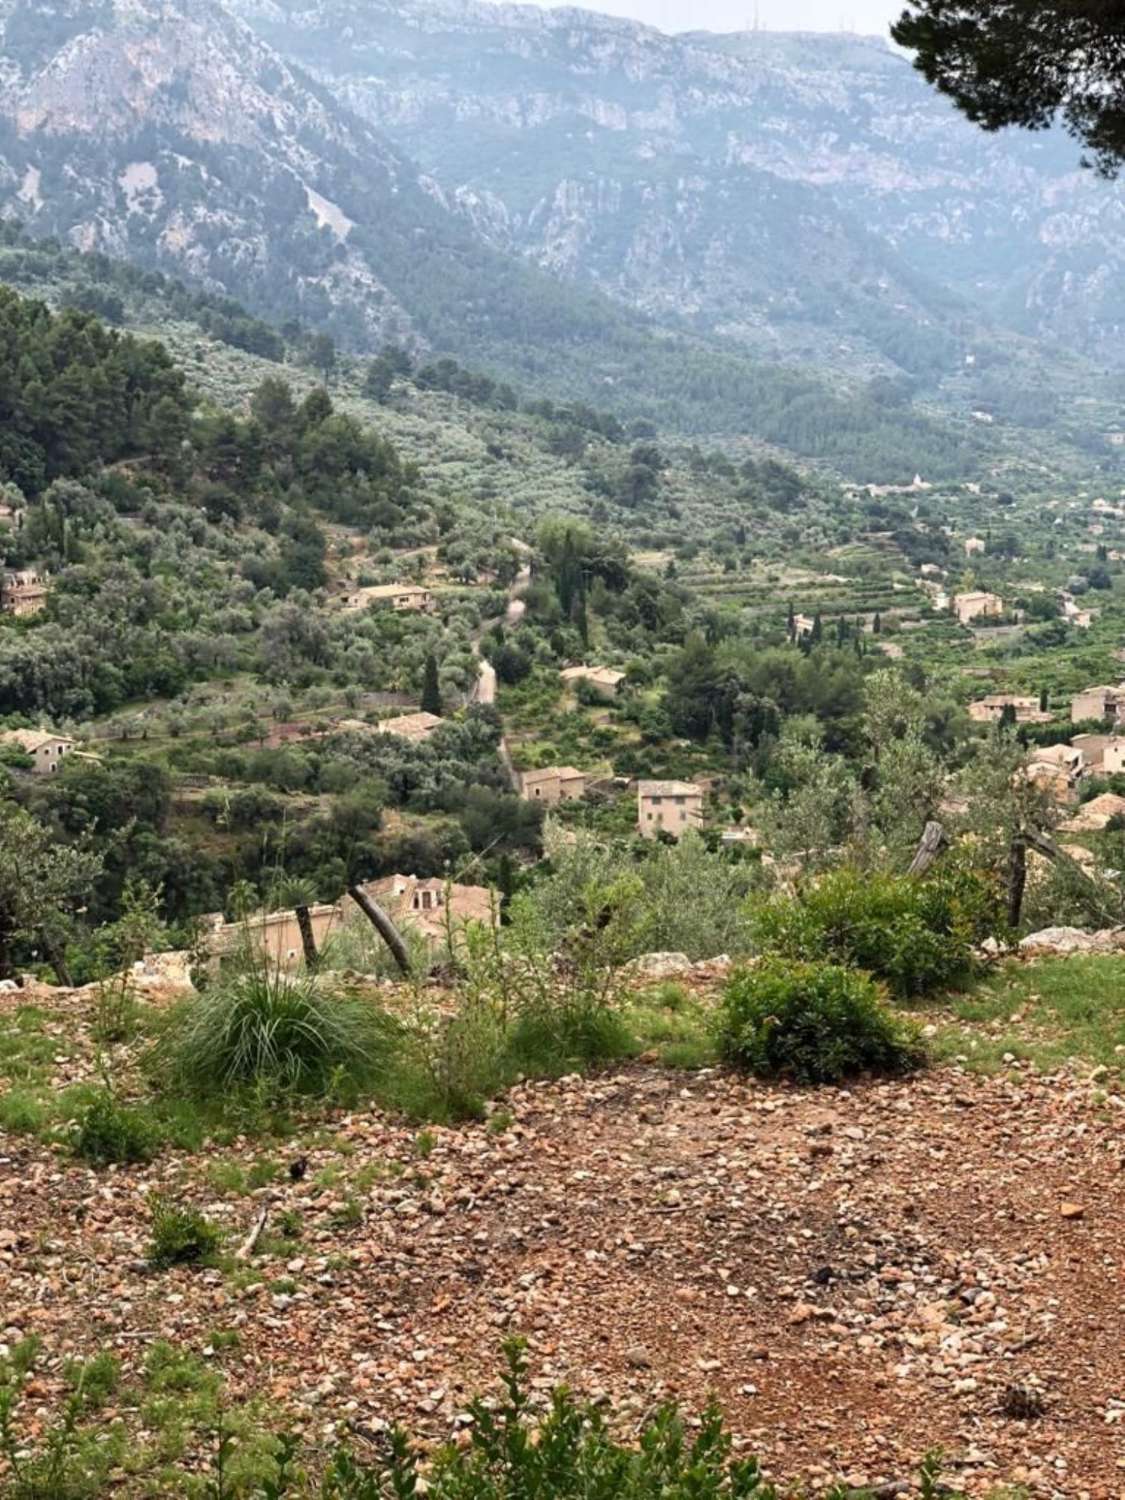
(858, 1276)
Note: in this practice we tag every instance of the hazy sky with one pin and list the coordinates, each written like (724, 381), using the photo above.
(738, 15)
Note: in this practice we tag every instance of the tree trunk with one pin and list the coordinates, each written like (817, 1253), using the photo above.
(1017, 879)
(56, 954)
(308, 939)
(933, 841)
(383, 926)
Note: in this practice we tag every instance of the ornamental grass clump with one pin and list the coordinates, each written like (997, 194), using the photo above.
(264, 1028)
(813, 1023)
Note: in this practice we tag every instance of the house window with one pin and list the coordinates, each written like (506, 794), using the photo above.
(656, 802)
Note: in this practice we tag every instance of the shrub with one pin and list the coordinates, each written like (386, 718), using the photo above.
(916, 935)
(180, 1236)
(812, 1023)
(112, 1132)
(265, 1027)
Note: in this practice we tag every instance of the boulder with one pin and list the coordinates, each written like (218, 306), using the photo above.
(1073, 940)
(659, 965)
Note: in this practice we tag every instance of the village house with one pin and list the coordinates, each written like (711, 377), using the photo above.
(553, 784)
(1093, 747)
(977, 605)
(974, 546)
(23, 593)
(931, 570)
(604, 680)
(47, 750)
(414, 727)
(803, 625)
(1098, 703)
(397, 596)
(1057, 769)
(274, 935)
(668, 807)
(431, 906)
(990, 710)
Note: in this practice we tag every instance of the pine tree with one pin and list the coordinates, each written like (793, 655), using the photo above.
(817, 629)
(431, 688)
(876, 623)
(1044, 701)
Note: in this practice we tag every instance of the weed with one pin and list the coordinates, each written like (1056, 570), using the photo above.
(180, 1236)
(97, 1379)
(349, 1215)
(290, 1223)
(111, 1132)
(169, 1370)
(424, 1143)
(23, 1112)
(499, 1121)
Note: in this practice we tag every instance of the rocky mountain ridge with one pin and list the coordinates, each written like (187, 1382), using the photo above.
(806, 193)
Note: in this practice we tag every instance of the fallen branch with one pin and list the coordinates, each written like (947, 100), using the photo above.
(250, 1243)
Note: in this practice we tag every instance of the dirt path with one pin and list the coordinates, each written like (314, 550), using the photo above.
(858, 1277)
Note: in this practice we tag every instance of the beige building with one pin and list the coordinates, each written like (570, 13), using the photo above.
(977, 606)
(604, 680)
(974, 546)
(803, 625)
(553, 784)
(668, 807)
(398, 596)
(1098, 703)
(414, 727)
(275, 935)
(1058, 769)
(1093, 748)
(23, 593)
(990, 710)
(46, 749)
(431, 906)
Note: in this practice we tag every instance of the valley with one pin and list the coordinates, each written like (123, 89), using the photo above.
(562, 780)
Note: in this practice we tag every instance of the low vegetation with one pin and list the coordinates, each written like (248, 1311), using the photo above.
(813, 1023)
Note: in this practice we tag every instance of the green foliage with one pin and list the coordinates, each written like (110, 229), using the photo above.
(111, 1132)
(917, 935)
(262, 1027)
(812, 1023)
(180, 1236)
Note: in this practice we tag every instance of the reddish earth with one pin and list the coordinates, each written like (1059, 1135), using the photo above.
(857, 1276)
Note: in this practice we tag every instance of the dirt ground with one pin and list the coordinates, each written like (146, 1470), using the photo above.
(857, 1276)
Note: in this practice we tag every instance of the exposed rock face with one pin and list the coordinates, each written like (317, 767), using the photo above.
(799, 191)
(1074, 940)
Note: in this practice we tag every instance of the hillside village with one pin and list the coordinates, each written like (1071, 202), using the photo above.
(562, 766)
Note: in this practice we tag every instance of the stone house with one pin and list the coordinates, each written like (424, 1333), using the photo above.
(668, 807)
(990, 710)
(430, 906)
(1098, 703)
(974, 546)
(977, 605)
(23, 593)
(1058, 769)
(604, 680)
(414, 727)
(802, 625)
(553, 784)
(47, 749)
(274, 935)
(397, 596)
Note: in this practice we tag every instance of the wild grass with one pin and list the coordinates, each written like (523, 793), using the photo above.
(1051, 1013)
(266, 1028)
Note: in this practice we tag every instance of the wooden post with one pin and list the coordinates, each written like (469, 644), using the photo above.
(1017, 879)
(308, 939)
(933, 841)
(383, 926)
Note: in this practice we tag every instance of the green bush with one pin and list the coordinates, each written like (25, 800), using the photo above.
(812, 1023)
(180, 1236)
(112, 1132)
(916, 935)
(263, 1027)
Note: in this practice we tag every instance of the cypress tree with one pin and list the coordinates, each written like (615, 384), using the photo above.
(431, 688)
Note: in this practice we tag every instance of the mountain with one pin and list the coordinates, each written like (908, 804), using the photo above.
(809, 194)
(170, 134)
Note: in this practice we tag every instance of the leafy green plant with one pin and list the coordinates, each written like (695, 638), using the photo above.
(812, 1023)
(64, 1460)
(916, 935)
(288, 1032)
(109, 1131)
(180, 1236)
